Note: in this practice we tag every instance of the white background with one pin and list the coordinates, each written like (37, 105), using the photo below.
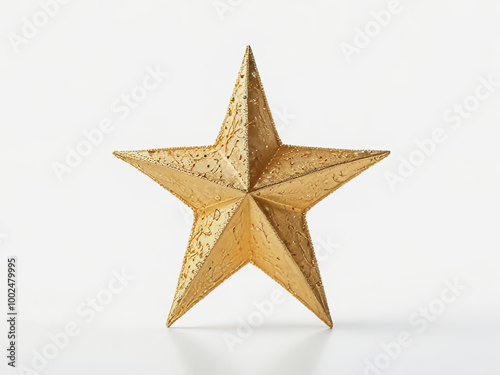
(386, 253)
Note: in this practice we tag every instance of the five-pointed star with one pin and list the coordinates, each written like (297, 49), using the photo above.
(250, 194)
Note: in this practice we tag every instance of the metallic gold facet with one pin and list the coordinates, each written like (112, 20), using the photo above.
(250, 194)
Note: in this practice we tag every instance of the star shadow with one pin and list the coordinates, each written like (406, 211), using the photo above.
(272, 349)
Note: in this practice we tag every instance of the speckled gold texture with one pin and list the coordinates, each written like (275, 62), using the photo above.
(250, 194)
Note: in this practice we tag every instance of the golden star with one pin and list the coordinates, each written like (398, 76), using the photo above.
(250, 194)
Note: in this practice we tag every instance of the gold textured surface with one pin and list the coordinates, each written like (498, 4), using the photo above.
(250, 194)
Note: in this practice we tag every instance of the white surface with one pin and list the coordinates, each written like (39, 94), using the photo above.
(386, 253)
